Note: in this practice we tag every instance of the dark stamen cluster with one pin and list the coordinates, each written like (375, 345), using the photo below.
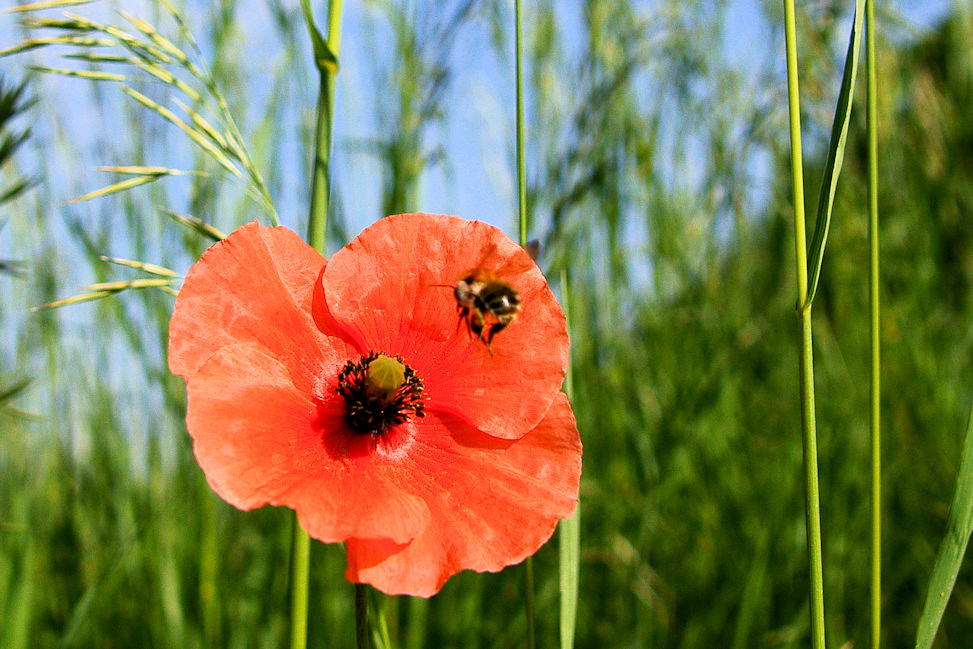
(367, 413)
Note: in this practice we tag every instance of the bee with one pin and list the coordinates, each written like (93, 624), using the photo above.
(486, 303)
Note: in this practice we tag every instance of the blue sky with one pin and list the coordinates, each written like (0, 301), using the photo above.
(477, 182)
(479, 137)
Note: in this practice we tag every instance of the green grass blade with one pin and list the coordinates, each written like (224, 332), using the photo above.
(569, 531)
(116, 187)
(91, 75)
(68, 24)
(204, 126)
(7, 393)
(16, 189)
(197, 225)
(34, 43)
(75, 299)
(94, 57)
(166, 77)
(951, 553)
(11, 267)
(142, 175)
(13, 104)
(200, 139)
(836, 151)
(51, 4)
(157, 38)
(381, 638)
(105, 289)
(151, 269)
(122, 285)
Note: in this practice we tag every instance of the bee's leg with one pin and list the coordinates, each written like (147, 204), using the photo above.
(494, 330)
(491, 332)
(476, 325)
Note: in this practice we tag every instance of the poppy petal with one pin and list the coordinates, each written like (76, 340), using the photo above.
(261, 329)
(258, 436)
(256, 285)
(492, 502)
(391, 289)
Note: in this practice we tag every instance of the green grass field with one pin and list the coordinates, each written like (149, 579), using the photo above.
(658, 178)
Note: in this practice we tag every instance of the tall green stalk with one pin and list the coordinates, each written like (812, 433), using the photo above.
(300, 573)
(808, 426)
(569, 531)
(326, 59)
(522, 229)
(521, 173)
(876, 362)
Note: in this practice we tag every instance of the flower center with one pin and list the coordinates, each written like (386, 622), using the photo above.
(379, 392)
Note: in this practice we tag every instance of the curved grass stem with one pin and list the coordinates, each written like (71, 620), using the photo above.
(808, 424)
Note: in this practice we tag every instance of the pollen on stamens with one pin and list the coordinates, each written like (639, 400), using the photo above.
(380, 391)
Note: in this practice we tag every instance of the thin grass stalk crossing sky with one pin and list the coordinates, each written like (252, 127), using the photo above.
(808, 425)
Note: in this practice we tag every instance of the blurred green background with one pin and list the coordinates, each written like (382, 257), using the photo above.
(658, 178)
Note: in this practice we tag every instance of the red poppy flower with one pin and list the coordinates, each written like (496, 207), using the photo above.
(353, 392)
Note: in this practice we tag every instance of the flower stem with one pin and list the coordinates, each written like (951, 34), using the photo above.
(361, 616)
(873, 300)
(808, 424)
(300, 571)
(320, 179)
